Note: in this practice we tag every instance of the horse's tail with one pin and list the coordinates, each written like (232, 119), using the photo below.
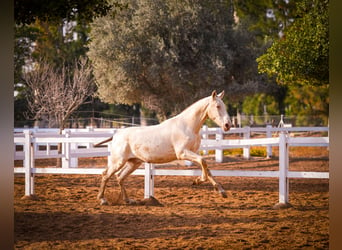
(102, 142)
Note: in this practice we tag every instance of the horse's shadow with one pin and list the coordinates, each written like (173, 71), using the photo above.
(150, 202)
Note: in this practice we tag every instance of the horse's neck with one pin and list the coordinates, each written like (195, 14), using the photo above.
(195, 115)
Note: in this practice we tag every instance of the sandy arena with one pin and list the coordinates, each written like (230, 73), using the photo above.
(66, 214)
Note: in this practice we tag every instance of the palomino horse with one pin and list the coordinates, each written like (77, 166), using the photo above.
(175, 138)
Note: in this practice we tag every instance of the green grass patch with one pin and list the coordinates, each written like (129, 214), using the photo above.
(258, 151)
(254, 151)
(233, 152)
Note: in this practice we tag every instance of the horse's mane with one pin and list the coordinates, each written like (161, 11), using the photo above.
(200, 103)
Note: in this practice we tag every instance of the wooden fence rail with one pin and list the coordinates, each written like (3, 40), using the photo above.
(78, 144)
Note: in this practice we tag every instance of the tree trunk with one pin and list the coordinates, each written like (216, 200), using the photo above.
(59, 150)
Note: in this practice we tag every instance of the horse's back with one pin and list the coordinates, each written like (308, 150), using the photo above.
(149, 144)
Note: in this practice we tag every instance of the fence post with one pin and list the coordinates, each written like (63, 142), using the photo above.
(47, 148)
(28, 163)
(67, 160)
(34, 131)
(246, 149)
(90, 129)
(283, 170)
(149, 180)
(66, 150)
(268, 147)
(73, 161)
(219, 152)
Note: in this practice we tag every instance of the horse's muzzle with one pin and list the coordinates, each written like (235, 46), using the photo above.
(226, 126)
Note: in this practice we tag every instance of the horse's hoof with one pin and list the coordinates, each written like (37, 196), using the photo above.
(197, 181)
(223, 194)
(131, 202)
(103, 202)
(221, 191)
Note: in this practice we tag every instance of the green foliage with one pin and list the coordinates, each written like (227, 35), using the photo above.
(58, 49)
(166, 54)
(254, 13)
(309, 104)
(45, 40)
(257, 103)
(24, 36)
(40, 22)
(38, 34)
(308, 101)
(50, 44)
(301, 55)
(28, 11)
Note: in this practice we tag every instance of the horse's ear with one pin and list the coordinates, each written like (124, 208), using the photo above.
(213, 95)
(221, 95)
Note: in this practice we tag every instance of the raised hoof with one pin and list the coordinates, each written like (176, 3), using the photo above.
(103, 202)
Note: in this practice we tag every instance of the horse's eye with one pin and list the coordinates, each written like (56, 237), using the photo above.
(218, 107)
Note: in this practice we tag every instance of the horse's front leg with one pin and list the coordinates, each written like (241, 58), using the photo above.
(206, 174)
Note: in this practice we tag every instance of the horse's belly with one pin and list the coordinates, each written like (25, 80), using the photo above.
(157, 153)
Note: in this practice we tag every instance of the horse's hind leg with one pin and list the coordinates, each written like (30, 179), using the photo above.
(123, 174)
(112, 168)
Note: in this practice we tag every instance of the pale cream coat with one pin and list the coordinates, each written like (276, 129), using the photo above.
(177, 138)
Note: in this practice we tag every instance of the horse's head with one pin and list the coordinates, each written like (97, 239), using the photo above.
(217, 111)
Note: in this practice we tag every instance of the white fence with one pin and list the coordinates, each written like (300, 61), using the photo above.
(77, 143)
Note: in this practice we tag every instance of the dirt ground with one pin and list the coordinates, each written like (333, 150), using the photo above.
(66, 214)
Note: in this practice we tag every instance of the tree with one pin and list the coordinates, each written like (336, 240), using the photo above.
(299, 61)
(29, 11)
(24, 36)
(260, 104)
(309, 103)
(265, 18)
(40, 22)
(166, 54)
(301, 56)
(43, 40)
(54, 95)
(39, 34)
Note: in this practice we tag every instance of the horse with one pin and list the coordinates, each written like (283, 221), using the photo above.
(177, 138)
